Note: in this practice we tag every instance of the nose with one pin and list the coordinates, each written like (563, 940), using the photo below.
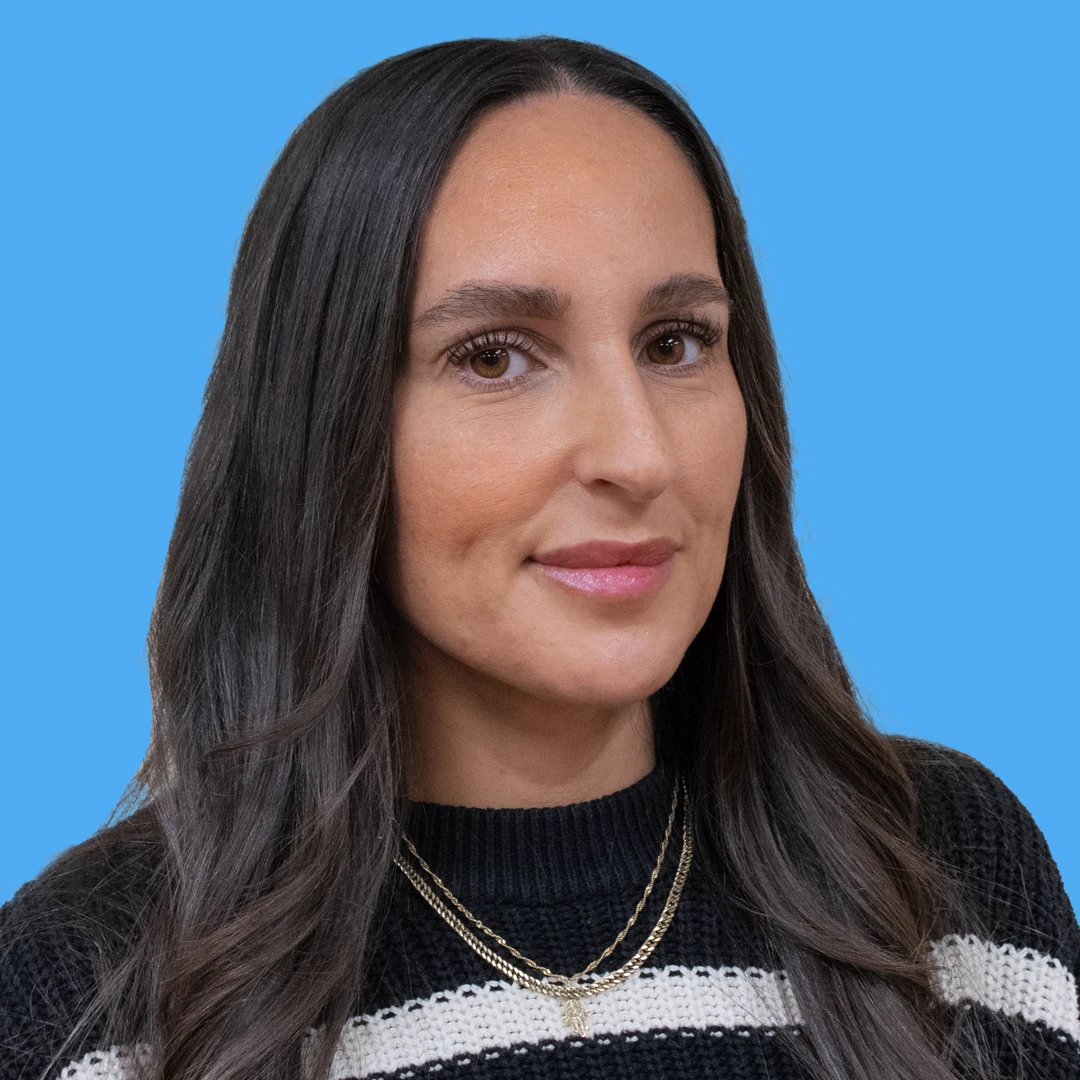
(620, 439)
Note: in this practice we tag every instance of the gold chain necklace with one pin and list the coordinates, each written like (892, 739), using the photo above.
(568, 988)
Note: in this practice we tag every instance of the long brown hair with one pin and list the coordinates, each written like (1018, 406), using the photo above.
(272, 787)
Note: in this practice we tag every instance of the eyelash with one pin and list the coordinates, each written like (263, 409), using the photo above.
(707, 332)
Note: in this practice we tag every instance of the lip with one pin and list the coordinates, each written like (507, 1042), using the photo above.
(597, 553)
(610, 569)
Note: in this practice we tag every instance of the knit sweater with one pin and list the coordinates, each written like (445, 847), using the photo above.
(559, 883)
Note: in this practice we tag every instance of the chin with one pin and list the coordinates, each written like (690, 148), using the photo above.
(606, 683)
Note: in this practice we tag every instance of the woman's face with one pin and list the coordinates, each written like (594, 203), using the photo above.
(567, 384)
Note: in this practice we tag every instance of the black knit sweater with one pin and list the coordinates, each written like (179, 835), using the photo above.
(559, 883)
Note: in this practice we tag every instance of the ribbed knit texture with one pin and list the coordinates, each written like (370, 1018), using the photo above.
(559, 883)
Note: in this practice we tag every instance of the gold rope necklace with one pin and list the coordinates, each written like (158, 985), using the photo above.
(567, 988)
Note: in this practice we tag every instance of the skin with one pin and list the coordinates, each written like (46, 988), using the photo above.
(524, 691)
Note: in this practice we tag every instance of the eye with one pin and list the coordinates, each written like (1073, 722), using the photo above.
(681, 344)
(672, 349)
(494, 363)
(495, 358)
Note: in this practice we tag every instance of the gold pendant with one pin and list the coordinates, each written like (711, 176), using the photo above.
(575, 1016)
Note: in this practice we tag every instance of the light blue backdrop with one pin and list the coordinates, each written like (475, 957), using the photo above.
(908, 171)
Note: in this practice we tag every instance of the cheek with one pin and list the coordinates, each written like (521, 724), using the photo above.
(462, 498)
(711, 445)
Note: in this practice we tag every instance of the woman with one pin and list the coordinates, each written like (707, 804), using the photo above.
(496, 729)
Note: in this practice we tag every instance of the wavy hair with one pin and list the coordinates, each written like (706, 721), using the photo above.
(273, 788)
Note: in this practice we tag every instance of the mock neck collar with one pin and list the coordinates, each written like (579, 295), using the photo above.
(550, 853)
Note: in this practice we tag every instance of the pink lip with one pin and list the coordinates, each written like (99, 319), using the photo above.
(611, 568)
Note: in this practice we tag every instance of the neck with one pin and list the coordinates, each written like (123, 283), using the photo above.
(478, 742)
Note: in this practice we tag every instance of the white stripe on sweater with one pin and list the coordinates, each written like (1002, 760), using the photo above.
(1008, 979)
(500, 1017)
(485, 1021)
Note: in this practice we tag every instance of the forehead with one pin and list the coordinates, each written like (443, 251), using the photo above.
(566, 186)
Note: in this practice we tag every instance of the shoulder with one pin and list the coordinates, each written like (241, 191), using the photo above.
(1009, 940)
(97, 887)
(61, 931)
(969, 816)
(974, 824)
(962, 803)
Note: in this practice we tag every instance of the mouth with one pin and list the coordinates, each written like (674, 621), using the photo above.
(610, 569)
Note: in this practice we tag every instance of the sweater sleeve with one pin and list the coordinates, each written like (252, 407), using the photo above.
(57, 935)
(1013, 948)
(46, 978)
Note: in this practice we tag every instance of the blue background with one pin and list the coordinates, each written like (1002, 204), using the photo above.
(908, 171)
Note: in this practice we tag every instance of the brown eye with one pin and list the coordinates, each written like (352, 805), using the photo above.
(490, 363)
(494, 359)
(667, 349)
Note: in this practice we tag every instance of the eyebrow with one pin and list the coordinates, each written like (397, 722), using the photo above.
(502, 300)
